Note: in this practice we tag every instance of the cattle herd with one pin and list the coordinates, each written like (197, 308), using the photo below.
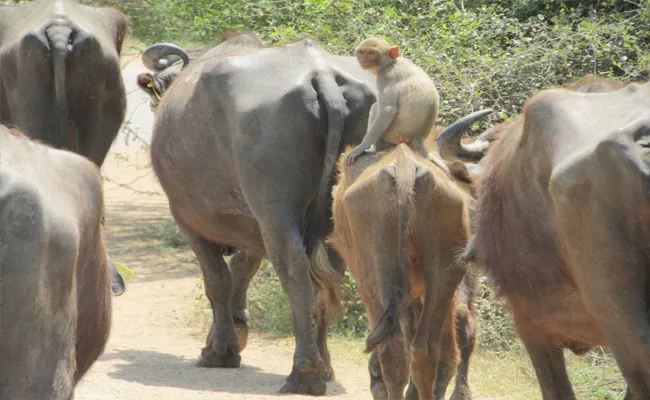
(553, 206)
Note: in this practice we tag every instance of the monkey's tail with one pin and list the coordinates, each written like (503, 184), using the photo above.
(58, 37)
(394, 281)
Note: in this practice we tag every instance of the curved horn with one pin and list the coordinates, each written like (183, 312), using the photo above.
(449, 146)
(157, 57)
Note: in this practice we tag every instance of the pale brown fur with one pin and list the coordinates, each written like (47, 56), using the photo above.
(562, 228)
(407, 102)
(401, 254)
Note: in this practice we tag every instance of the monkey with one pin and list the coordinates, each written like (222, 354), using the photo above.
(407, 101)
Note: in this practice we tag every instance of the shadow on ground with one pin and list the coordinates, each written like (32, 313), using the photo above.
(133, 238)
(157, 369)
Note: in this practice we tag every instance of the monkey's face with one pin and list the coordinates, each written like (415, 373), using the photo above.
(369, 59)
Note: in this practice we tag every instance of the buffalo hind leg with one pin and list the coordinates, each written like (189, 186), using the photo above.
(322, 316)
(222, 345)
(550, 369)
(322, 327)
(412, 316)
(377, 385)
(435, 327)
(287, 252)
(243, 267)
(445, 371)
(466, 331)
(628, 333)
(448, 361)
(619, 305)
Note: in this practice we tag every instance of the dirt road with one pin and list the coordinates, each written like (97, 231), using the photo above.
(155, 338)
(156, 334)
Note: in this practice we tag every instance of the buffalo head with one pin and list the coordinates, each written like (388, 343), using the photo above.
(166, 60)
(462, 158)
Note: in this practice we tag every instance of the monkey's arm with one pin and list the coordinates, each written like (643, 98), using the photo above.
(386, 109)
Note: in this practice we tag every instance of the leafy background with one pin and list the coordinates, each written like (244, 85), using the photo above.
(480, 53)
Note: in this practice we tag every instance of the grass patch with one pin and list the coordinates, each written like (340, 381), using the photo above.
(268, 305)
(170, 234)
(596, 375)
(500, 368)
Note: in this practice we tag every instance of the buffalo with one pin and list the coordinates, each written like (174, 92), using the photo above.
(244, 145)
(55, 308)
(60, 77)
(61, 80)
(562, 227)
(399, 222)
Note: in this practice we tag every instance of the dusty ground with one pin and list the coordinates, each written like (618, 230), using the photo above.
(153, 343)
(156, 334)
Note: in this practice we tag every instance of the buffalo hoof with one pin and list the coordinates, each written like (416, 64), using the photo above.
(378, 390)
(227, 358)
(118, 286)
(241, 328)
(306, 378)
(328, 374)
(118, 289)
(461, 393)
(377, 385)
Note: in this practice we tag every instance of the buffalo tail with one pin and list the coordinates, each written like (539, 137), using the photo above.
(335, 106)
(327, 281)
(394, 281)
(59, 36)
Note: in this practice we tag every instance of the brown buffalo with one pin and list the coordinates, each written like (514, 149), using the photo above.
(562, 227)
(55, 302)
(399, 221)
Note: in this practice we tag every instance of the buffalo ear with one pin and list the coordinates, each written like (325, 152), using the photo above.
(145, 81)
(459, 171)
(394, 52)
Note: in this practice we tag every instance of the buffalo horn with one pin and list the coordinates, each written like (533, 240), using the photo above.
(159, 56)
(448, 142)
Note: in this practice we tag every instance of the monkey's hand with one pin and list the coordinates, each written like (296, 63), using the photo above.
(356, 152)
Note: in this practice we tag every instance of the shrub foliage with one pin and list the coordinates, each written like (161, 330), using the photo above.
(480, 53)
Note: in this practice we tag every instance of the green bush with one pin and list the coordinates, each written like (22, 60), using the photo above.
(495, 54)
(495, 330)
(270, 312)
(170, 234)
(268, 305)
(353, 321)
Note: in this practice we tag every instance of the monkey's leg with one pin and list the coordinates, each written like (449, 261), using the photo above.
(417, 144)
(381, 145)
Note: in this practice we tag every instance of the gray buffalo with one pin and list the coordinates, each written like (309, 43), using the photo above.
(244, 145)
(562, 227)
(55, 300)
(60, 77)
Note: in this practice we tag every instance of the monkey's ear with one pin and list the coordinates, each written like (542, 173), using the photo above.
(394, 52)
